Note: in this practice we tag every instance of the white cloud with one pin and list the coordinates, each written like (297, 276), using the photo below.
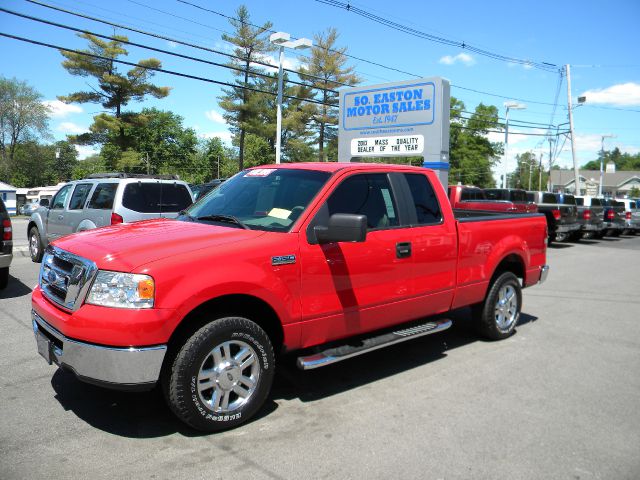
(85, 151)
(292, 63)
(624, 94)
(463, 58)
(215, 116)
(58, 109)
(225, 136)
(71, 128)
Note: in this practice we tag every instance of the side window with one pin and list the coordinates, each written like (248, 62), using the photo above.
(366, 194)
(61, 196)
(424, 199)
(79, 196)
(103, 196)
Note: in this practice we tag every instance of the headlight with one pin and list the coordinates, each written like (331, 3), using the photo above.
(122, 290)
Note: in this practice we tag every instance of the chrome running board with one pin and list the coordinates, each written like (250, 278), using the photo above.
(368, 344)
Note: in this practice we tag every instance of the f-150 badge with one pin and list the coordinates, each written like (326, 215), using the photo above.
(283, 260)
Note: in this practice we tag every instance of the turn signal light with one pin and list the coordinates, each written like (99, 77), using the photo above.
(586, 215)
(146, 289)
(627, 215)
(7, 232)
(556, 214)
(116, 219)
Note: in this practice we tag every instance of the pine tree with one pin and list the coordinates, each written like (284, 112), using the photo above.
(114, 89)
(326, 70)
(251, 44)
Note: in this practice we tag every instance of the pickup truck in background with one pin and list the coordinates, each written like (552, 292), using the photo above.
(516, 197)
(328, 259)
(590, 216)
(568, 216)
(613, 217)
(473, 198)
(631, 216)
(561, 221)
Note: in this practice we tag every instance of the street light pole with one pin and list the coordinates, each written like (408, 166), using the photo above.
(282, 40)
(573, 142)
(513, 106)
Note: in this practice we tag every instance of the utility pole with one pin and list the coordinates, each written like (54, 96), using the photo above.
(530, 172)
(602, 163)
(218, 177)
(540, 172)
(148, 166)
(550, 185)
(573, 142)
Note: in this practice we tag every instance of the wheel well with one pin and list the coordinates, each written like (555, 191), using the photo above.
(511, 263)
(31, 225)
(248, 306)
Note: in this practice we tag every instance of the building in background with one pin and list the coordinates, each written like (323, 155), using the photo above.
(614, 184)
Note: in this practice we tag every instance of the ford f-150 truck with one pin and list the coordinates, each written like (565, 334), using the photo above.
(328, 259)
(474, 198)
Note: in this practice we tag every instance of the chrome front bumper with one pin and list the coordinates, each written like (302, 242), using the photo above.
(544, 272)
(115, 367)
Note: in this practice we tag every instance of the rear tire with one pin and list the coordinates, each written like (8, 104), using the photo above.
(221, 376)
(561, 237)
(4, 277)
(497, 316)
(36, 250)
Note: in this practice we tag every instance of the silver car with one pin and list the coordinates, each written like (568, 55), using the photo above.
(105, 199)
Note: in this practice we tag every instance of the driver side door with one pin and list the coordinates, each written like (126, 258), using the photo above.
(56, 215)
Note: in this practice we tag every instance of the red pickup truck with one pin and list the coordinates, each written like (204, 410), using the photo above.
(328, 259)
(501, 200)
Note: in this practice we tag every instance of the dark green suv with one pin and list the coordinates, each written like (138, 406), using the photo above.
(6, 245)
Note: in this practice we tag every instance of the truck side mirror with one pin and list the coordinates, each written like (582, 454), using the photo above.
(342, 227)
(44, 202)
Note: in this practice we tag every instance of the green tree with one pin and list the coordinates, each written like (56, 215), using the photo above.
(634, 192)
(114, 89)
(471, 154)
(527, 173)
(91, 164)
(622, 161)
(239, 103)
(296, 116)
(326, 71)
(33, 165)
(23, 117)
(66, 157)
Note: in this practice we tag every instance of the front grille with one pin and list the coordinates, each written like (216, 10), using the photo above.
(65, 277)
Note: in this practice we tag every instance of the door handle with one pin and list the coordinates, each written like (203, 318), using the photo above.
(60, 217)
(403, 249)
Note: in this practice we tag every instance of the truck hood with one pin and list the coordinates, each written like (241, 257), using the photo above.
(127, 246)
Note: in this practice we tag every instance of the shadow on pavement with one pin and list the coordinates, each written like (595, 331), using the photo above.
(560, 246)
(15, 288)
(145, 414)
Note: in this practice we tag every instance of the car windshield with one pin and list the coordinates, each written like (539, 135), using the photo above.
(268, 199)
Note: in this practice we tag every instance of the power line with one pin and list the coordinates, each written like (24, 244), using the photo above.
(169, 39)
(434, 38)
(162, 70)
(160, 50)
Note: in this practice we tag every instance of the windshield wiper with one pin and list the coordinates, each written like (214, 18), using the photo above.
(223, 218)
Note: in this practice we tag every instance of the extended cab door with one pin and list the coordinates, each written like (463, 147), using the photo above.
(57, 212)
(350, 288)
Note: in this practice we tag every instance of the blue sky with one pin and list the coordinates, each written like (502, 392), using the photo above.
(599, 39)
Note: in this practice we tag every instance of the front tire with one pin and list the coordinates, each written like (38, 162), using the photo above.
(222, 374)
(36, 250)
(497, 316)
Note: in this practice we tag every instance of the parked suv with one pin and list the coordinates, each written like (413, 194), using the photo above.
(6, 245)
(105, 199)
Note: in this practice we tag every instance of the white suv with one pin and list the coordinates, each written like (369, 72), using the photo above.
(105, 199)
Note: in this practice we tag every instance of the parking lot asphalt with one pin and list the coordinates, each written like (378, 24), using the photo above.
(559, 399)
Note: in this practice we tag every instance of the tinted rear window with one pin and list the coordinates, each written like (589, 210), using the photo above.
(548, 198)
(495, 194)
(595, 202)
(518, 196)
(580, 201)
(567, 200)
(156, 197)
(424, 199)
(103, 195)
(471, 194)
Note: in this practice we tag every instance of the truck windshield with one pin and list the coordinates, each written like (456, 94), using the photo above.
(268, 199)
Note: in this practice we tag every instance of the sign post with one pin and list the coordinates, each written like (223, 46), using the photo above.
(400, 119)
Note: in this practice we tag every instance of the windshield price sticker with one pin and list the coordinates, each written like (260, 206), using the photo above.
(405, 144)
(260, 172)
